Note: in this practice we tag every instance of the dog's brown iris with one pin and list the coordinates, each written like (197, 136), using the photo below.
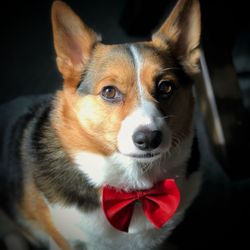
(109, 92)
(165, 88)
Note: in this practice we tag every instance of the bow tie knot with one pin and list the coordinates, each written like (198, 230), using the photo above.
(140, 194)
(159, 204)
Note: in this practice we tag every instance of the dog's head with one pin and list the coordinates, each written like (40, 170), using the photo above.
(125, 112)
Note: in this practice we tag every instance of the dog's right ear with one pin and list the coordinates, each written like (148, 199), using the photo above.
(73, 41)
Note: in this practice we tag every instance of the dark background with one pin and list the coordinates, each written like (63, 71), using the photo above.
(220, 216)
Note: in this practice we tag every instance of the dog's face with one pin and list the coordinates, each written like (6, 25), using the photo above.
(129, 102)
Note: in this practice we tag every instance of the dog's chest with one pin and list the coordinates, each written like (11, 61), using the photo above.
(93, 230)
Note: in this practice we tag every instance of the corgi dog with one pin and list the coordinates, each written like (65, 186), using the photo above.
(122, 124)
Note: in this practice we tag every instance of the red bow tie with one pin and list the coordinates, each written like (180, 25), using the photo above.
(159, 204)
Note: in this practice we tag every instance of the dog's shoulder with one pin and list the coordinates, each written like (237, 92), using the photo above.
(15, 115)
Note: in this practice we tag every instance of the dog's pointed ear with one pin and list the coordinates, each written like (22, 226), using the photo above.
(182, 31)
(73, 40)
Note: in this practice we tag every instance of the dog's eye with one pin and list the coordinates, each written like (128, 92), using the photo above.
(111, 94)
(165, 88)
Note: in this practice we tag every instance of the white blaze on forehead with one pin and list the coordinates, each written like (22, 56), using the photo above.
(138, 61)
(145, 114)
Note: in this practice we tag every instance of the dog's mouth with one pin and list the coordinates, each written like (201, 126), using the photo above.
(145, 156)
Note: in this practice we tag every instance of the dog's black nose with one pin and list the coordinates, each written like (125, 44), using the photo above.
(146, 139)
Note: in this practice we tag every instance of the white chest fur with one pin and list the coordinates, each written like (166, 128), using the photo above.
(93, 230)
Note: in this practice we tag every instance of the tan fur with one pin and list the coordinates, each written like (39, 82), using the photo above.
(87, 122)
(36, 211)
(182, 31)
(73, 42)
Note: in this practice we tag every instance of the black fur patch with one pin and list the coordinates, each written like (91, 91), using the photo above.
(11, 173)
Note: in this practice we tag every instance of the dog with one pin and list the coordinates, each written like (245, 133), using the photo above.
(122, 125)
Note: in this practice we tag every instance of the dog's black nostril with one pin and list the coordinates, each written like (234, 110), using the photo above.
(145, 139)
(156, 137)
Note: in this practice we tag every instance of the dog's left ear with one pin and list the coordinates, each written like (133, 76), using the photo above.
(181, 31)
(73, 41)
